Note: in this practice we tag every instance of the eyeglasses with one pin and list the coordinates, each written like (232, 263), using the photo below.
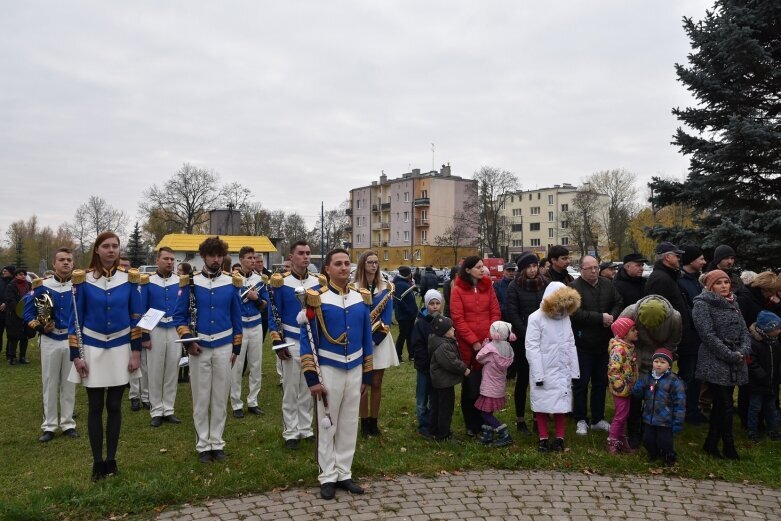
(373, 262)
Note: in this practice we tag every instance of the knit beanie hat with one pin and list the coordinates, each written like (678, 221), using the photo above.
(652, 313)
(10, 268)
(721, 252)
(713, 276)
(665, 353)
(441, 325)
(432, 294)
(768, 321)
(502, 331)
(527, 259)
(621, 326)
(690, 254)
(404, 271)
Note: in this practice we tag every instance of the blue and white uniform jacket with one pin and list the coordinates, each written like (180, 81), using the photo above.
(342, 330)
(161, 293)
(109, 308)
(288, 306)
(59, 290)
(251, 310)
(218, 310)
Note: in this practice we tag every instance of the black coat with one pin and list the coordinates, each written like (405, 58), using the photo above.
(14, 326)
(690, 288)
(3, 284)
(590, 334)
(751, 302)
(419, 342)
(631, 289)
(406, 308)
(428, 281)
(519, 304)
(764, 371)
(664, 282)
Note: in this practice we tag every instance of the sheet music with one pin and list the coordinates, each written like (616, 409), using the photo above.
(151, 318)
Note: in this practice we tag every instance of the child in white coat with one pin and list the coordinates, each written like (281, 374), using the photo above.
(553, 361)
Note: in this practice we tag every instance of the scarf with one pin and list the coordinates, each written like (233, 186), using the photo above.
(532, 285)
(22, 286)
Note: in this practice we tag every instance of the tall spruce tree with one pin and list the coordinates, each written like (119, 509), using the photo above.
(734, 132)
(136, 250)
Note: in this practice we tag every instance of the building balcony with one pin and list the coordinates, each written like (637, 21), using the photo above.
(421, 222)
(379, 244)
(385, 225)
(348, 211)
(375, 208)
(421, 201)
(376, 225)
(385, 207)
(348, 228)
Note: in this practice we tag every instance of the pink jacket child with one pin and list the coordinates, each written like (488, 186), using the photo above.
(496, 356)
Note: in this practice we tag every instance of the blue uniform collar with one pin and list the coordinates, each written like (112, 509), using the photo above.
(108, 273)
(61, 280)
(299, 277)
(159, 274)
(206, 273)
(338, 290)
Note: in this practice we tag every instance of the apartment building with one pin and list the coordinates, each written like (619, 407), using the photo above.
(537, 219)
(401, 218)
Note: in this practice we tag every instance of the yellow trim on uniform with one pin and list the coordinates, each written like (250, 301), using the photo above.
(184, 280)
(37, 282)
(79, 276)
(133, 276)
(277, 280)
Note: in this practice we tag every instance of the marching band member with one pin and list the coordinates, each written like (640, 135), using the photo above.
(368, 278)
(210, 300)
(337, 364)
(162, 351)
(55, 354)
(261, 270)
(105, 344)
(296, 401)
(252, 339)
(139, 388)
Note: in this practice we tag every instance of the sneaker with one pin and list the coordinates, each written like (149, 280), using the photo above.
(582, 428)
(601, 425)
(503, 437)
(238, 413)
(291, 444)
(558, 445)
(542, 445)
(218, 455)
(613, 446)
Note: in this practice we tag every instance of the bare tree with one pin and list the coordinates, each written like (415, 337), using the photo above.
(332, 228)
(494, 188)
(615, 217)
(185, 199)
(461, 234)
(235, 196)
(94, 217)
(583, 219)
(255, 220)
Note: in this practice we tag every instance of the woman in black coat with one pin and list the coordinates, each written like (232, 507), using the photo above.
(523, 298)
(16, 289)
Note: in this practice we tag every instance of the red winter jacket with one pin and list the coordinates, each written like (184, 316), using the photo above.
(473, 310)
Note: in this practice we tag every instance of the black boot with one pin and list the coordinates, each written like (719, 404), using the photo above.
(110, 467)
(711, 445)
(98, 471)
(729, 449)
(365, 429)
(373, 429)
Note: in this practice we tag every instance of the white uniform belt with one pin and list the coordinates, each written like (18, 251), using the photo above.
(216, 336)
(58, 332)
(166, 320)
(340, 358)
(105, 337)
(292, 329)
(250, 319)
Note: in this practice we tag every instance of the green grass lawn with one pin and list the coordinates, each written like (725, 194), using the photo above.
(159, 468)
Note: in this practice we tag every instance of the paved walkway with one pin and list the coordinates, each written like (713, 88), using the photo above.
(499, 495)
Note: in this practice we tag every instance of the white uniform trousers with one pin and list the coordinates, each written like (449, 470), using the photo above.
(139, 387)
(336, 445)
(55, 366)
(251, 349)
(162, 364)
(210, 382)
(296, 400)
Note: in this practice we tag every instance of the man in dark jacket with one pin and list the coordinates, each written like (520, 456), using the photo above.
(689, 282)
(600, 305)
(405, 308)
(428, 281)
(8, 274)
(501, 285)
(559, 262)
(629, 280)
(724, 260)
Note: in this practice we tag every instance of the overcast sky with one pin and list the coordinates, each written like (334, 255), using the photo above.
(301, 101)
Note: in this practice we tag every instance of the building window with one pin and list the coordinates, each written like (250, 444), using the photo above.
(406, 197)
(550, 199)
(550, 217)
(564, 241)
(565, 208)
(406, 255)
(534, 227)
(406, 217)
(564, 225)
(550, 233)
(406, 236)
(360, 221)
(424, 215)
(358, 204)
(517, 243)
(516, 212)
(423, 235)
(512, 198)
(530, 197)
(517, 227)
(539, 196)
(385, 254)
(424, 194)
(397, 196)
(417, 254)
(535, 242)
(535, 210)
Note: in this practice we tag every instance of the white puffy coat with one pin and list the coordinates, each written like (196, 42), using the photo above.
(550, 350)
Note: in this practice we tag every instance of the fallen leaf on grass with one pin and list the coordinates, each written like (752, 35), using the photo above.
(458, 473)
(444, 473)
(656, 471)
(567, 449)
(163, 451)
(403, 449)
(280, 489)
(712, 475)
(47, 488)
(587, 472)
(160, 508)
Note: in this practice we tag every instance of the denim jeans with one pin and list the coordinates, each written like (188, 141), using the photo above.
(423, 400)
(593, 369)
(765, 404)
(686, 368)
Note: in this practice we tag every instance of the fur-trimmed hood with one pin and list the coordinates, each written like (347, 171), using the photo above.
(559, 299)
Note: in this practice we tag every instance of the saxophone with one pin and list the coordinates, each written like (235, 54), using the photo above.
(44, 308)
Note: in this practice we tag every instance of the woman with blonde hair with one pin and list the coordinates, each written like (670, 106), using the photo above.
(368, 278)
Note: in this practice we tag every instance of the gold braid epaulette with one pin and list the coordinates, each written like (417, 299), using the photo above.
(322, 280)
(238, 279)
(133, 276)
(37, 282)
(277, 280)
(314, 301)
(78, 276)
(264, 278)
(184, 280)
(366, 295)
(144, 278)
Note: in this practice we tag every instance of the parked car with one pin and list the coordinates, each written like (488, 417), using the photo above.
(574, 272)
(149, 268)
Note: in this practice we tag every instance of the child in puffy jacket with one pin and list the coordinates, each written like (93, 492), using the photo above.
(764, 374)
(447, 371)
(664, 407)
(496, 356)
(621, 376)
